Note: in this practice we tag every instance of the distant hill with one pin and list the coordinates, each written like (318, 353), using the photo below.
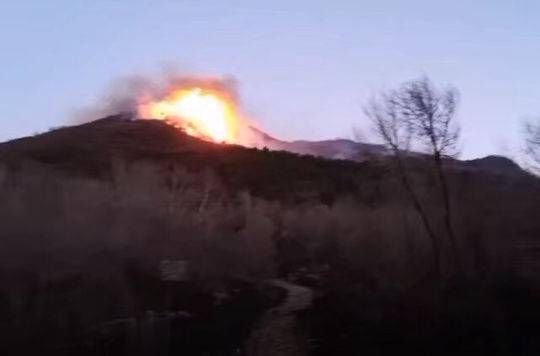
(332, 149)
(498, 164)
(93, 148)
(89, 147)
(359, 151)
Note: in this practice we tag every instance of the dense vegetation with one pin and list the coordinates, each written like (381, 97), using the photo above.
(89, 212)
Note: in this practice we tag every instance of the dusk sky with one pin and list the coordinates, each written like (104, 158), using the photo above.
(304, 68)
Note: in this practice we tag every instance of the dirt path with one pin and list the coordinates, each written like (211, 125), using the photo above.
(279, 332)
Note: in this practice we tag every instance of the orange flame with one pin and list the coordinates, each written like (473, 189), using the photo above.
(204, 113)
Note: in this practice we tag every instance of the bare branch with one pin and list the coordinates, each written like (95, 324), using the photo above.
(391, 125)
(532, 141)
(430, 113)
(425, 115)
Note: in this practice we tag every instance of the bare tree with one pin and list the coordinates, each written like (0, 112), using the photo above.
(394, 131)
(420, 114)
(532, 143)
(429, 114)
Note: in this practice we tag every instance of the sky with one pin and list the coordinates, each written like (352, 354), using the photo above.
(304, 68)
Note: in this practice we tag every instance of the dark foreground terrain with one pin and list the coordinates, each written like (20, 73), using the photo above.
(123, 237)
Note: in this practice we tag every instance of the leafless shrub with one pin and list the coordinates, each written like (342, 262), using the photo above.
(532, 143)
(58, 227)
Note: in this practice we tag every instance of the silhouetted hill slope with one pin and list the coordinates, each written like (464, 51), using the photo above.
(359, 151)
(333, 149)
(91, 149)
(99, 138)
(498, 164)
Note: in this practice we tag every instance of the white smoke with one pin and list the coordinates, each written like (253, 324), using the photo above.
(126, 94)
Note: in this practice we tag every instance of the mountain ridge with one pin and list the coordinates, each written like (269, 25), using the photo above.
(121, 133)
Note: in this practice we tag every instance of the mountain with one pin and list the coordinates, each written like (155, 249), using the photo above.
(493, 163)
(332, 149)
(94, 143)
(95, 148)
(93, 215)
(359, 152)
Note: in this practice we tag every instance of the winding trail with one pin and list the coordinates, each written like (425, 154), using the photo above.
(279, 333)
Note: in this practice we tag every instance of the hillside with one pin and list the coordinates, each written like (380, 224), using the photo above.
(332, 149)
(92, 216)
(91, 149)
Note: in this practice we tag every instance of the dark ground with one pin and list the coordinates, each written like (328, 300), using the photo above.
(463, 320)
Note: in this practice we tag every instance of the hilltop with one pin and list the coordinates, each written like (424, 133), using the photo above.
(91, 149)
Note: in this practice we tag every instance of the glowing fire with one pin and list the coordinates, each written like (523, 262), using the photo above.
(205, 113)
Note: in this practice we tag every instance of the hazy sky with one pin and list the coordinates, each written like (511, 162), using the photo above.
(304, 67)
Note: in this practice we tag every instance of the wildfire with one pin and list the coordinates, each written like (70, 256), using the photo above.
(201, 112)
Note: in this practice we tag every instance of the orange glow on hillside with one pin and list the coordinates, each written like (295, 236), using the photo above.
(200, 112)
